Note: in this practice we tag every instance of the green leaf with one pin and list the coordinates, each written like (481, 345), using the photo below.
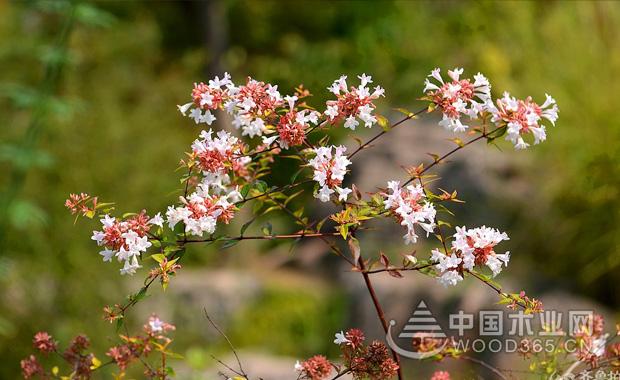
(383, 122)
(119, 324)
(344, 231)
(291, 197)
(158, 257)
(246, 225)
(405, 112)
(245, 190)
(172, 248)
(267, 229)
(296, 174)
(261, 186)
(230, 243)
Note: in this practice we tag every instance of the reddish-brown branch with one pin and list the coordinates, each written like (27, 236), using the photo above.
(397, 269)
(383, 132)
(263, 237)
(379, 310)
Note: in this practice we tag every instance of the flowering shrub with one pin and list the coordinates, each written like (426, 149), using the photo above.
(80, 364)
(225, 172)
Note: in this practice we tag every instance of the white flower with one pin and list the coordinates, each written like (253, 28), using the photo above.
(330, 166)
(409, 205)
(458, 97)
(196, 114)
(298, 366)
(183, 109)
(107, 254)
(341, 338)
(156, 324)
(343, 193)
(207, 118)
(450, 278)
(130, 267)
(324, 194)
(157, 220)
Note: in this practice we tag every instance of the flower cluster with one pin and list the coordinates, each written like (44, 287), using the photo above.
(523, 117)
(591, 340)
(76, 355)
(208, 97)
(470, 248)
(441, 375)
(82, 363)
(458, 97)
(142, 345)
(365, 361)
(125, 239)
(329, 170)
(83, 203)
(219, 155)
(410, 207)
(354, 103)
(315, 368)
(43, 342)
(31, 367)
(248, 104)
(201, 211)
(251, 103)
(292, 125)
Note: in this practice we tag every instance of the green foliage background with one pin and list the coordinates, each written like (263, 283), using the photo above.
(95, 112)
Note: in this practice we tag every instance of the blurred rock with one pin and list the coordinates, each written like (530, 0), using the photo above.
(221, 292)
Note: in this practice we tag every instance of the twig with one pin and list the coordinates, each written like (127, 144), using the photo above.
(364, 145)
(232, 348)
(498, 290)
(379, 310)
(485, 365)
(262, 237)
(398, 269)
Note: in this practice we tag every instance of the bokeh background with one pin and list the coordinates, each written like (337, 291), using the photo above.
(87, 103)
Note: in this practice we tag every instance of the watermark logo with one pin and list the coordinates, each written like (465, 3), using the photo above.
(497, 331)
(421, 323)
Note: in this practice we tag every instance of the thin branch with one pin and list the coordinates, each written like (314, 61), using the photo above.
(440, 159)
(232, 348)
(263, 237)
(497, 289)
(383, 132)
(379, 310)
(485, 365)
(398, 269)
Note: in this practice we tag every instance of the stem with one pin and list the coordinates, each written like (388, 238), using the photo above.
(398, 269)
(485, 365)
(440, 159)
(379, 310)
(383, 132)
(496, 289)
(262, 237)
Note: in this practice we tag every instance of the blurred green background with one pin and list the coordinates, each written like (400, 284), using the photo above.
(87, 103)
